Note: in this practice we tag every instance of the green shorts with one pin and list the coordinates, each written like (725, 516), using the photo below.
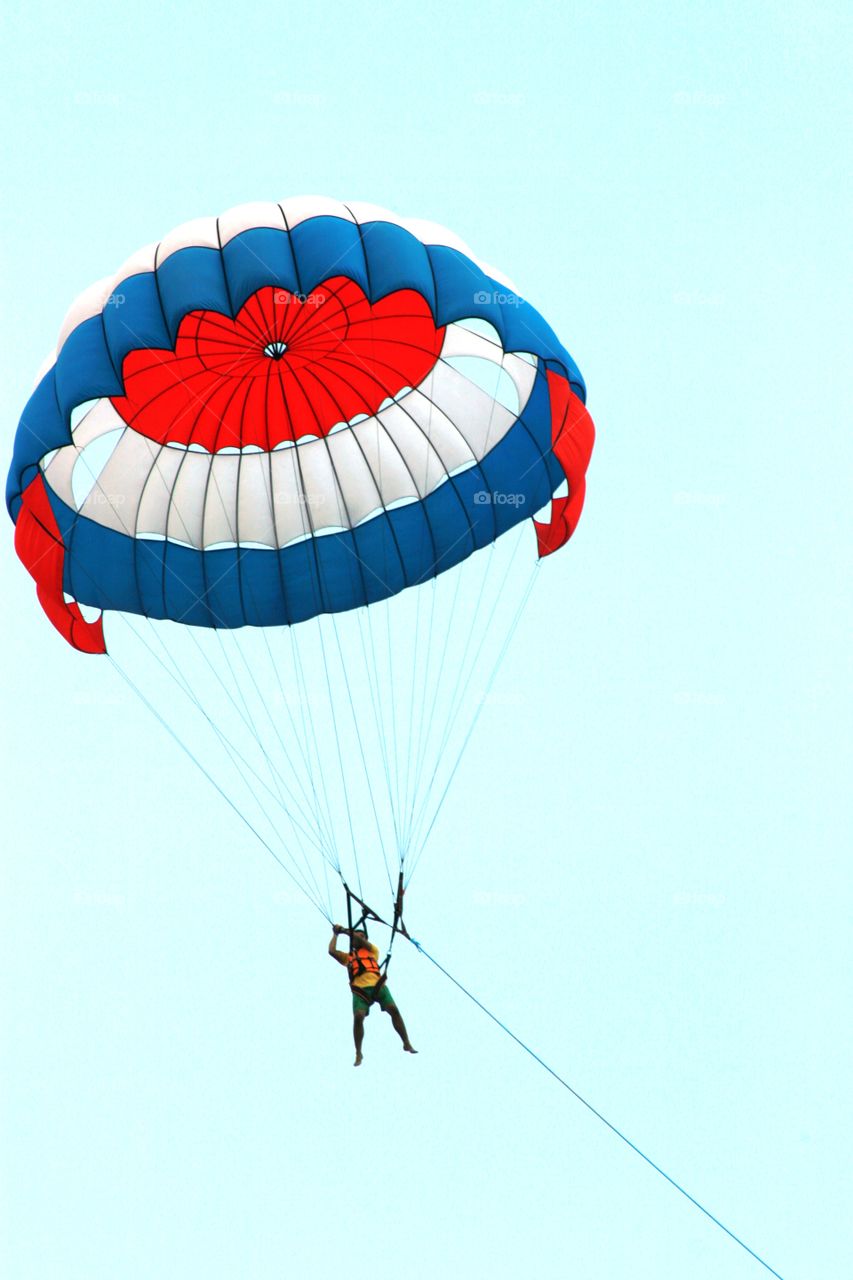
(362, 999)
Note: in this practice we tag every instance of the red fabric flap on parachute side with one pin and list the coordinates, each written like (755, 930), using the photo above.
(39, 545)
(572, 438)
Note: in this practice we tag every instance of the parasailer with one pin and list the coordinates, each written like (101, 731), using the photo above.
(368, 985)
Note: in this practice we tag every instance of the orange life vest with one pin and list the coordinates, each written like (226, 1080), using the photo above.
(362, 961)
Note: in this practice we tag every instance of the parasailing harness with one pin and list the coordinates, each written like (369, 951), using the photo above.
(367, 963)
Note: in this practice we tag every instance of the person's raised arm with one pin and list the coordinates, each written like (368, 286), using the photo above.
(340, 956)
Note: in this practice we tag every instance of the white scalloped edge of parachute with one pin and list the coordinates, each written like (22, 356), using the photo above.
(211, 232)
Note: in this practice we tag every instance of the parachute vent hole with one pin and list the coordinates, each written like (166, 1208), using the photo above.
(90, 463)
(79, 412)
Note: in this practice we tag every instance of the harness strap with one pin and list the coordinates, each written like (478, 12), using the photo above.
(369, 994)
(367, 913)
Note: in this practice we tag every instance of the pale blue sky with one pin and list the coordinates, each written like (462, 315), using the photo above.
(663, 848)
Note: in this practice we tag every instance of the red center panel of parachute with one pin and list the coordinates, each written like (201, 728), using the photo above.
(283, 368)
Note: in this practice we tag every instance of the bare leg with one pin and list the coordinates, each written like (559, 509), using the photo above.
(400, 1027)
(358, 1036)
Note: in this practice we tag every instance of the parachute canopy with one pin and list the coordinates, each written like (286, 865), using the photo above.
(289, 410)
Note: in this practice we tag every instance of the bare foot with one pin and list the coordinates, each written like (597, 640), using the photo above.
(407, 1048)
(359, 1058)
